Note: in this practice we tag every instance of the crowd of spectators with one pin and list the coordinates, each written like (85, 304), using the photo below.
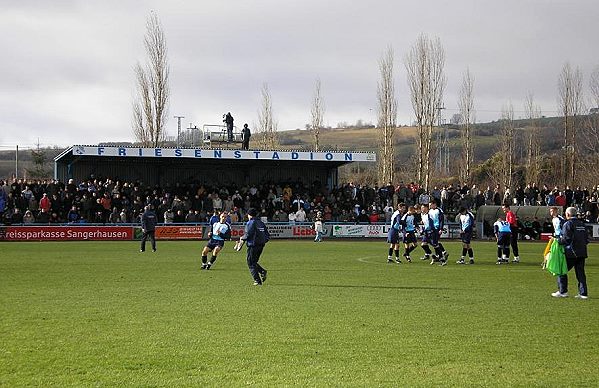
(108, 201)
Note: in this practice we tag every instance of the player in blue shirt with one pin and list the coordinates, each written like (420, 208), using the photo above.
(466, 229)
(220, 232)
(503, 232)
(427, 232)
(438, 222)
(408, 224)
(557, 221)
(393, 237)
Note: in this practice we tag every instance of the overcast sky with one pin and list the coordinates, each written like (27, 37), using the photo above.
(67, 66)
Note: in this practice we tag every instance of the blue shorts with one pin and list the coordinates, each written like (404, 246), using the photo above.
(393, 236)
(431, 237)
(504, 239)
(466, 237)
(215, 243)
(409, 237)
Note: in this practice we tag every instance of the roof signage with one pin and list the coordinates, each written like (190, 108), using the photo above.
(199, 153)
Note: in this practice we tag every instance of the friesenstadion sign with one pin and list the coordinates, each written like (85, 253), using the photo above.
(199, 153)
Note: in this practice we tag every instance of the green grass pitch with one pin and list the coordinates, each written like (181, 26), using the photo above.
(330, 314)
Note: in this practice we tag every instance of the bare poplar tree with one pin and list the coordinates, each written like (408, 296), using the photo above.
(267, 127)
(387, 116)
(468, 118)
(591, 131)
(533, 146)
(150, 103)
(507, 146)
(594, 87)
(570, 102)
(317, 113)
(425, 64)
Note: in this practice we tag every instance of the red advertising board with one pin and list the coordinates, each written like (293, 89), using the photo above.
(179, 232)
(65, 233)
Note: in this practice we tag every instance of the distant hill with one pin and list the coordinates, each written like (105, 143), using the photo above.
(365, 139)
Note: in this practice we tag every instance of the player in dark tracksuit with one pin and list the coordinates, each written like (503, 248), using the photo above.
(255, 236)
(148, 227)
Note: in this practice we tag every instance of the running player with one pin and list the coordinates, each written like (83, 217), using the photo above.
(220, 232)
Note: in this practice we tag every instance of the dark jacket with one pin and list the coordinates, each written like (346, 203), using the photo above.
(256, 233)
(149, 220)
(574, 238)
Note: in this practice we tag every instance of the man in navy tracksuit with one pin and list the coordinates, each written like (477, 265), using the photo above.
(574, 238)
(255, 236)
(148, 227)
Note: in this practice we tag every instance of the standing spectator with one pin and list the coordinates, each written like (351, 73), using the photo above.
(148, 228)
(45, 203)
(246, 137)
(228, 120)
(574, 238)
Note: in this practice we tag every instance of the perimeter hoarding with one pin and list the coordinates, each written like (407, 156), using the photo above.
(66, 233)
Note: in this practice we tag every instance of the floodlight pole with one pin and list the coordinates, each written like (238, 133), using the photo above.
(179, 128)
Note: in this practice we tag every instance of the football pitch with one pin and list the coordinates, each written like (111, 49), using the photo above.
(330, 314)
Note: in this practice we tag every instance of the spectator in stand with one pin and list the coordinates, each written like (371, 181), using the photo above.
(16, 217)
(28, 218)
(300, 215)
(373, 218)
(43, 217)
(45, 203)
(73, 215)
(169, 216)
(114, 217)
(123, 215)
(560, 200)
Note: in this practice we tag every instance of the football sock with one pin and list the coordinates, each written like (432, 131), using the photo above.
(397, 253)
(427, 250)
(212, 259)
(390, 252)
(204, 259)
(464, 250)
(498, 252)
(470, 252)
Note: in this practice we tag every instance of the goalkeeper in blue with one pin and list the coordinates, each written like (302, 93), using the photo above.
(220, 232)
(466, 229)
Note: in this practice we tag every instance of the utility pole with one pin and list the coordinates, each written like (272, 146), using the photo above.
(179, 128)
